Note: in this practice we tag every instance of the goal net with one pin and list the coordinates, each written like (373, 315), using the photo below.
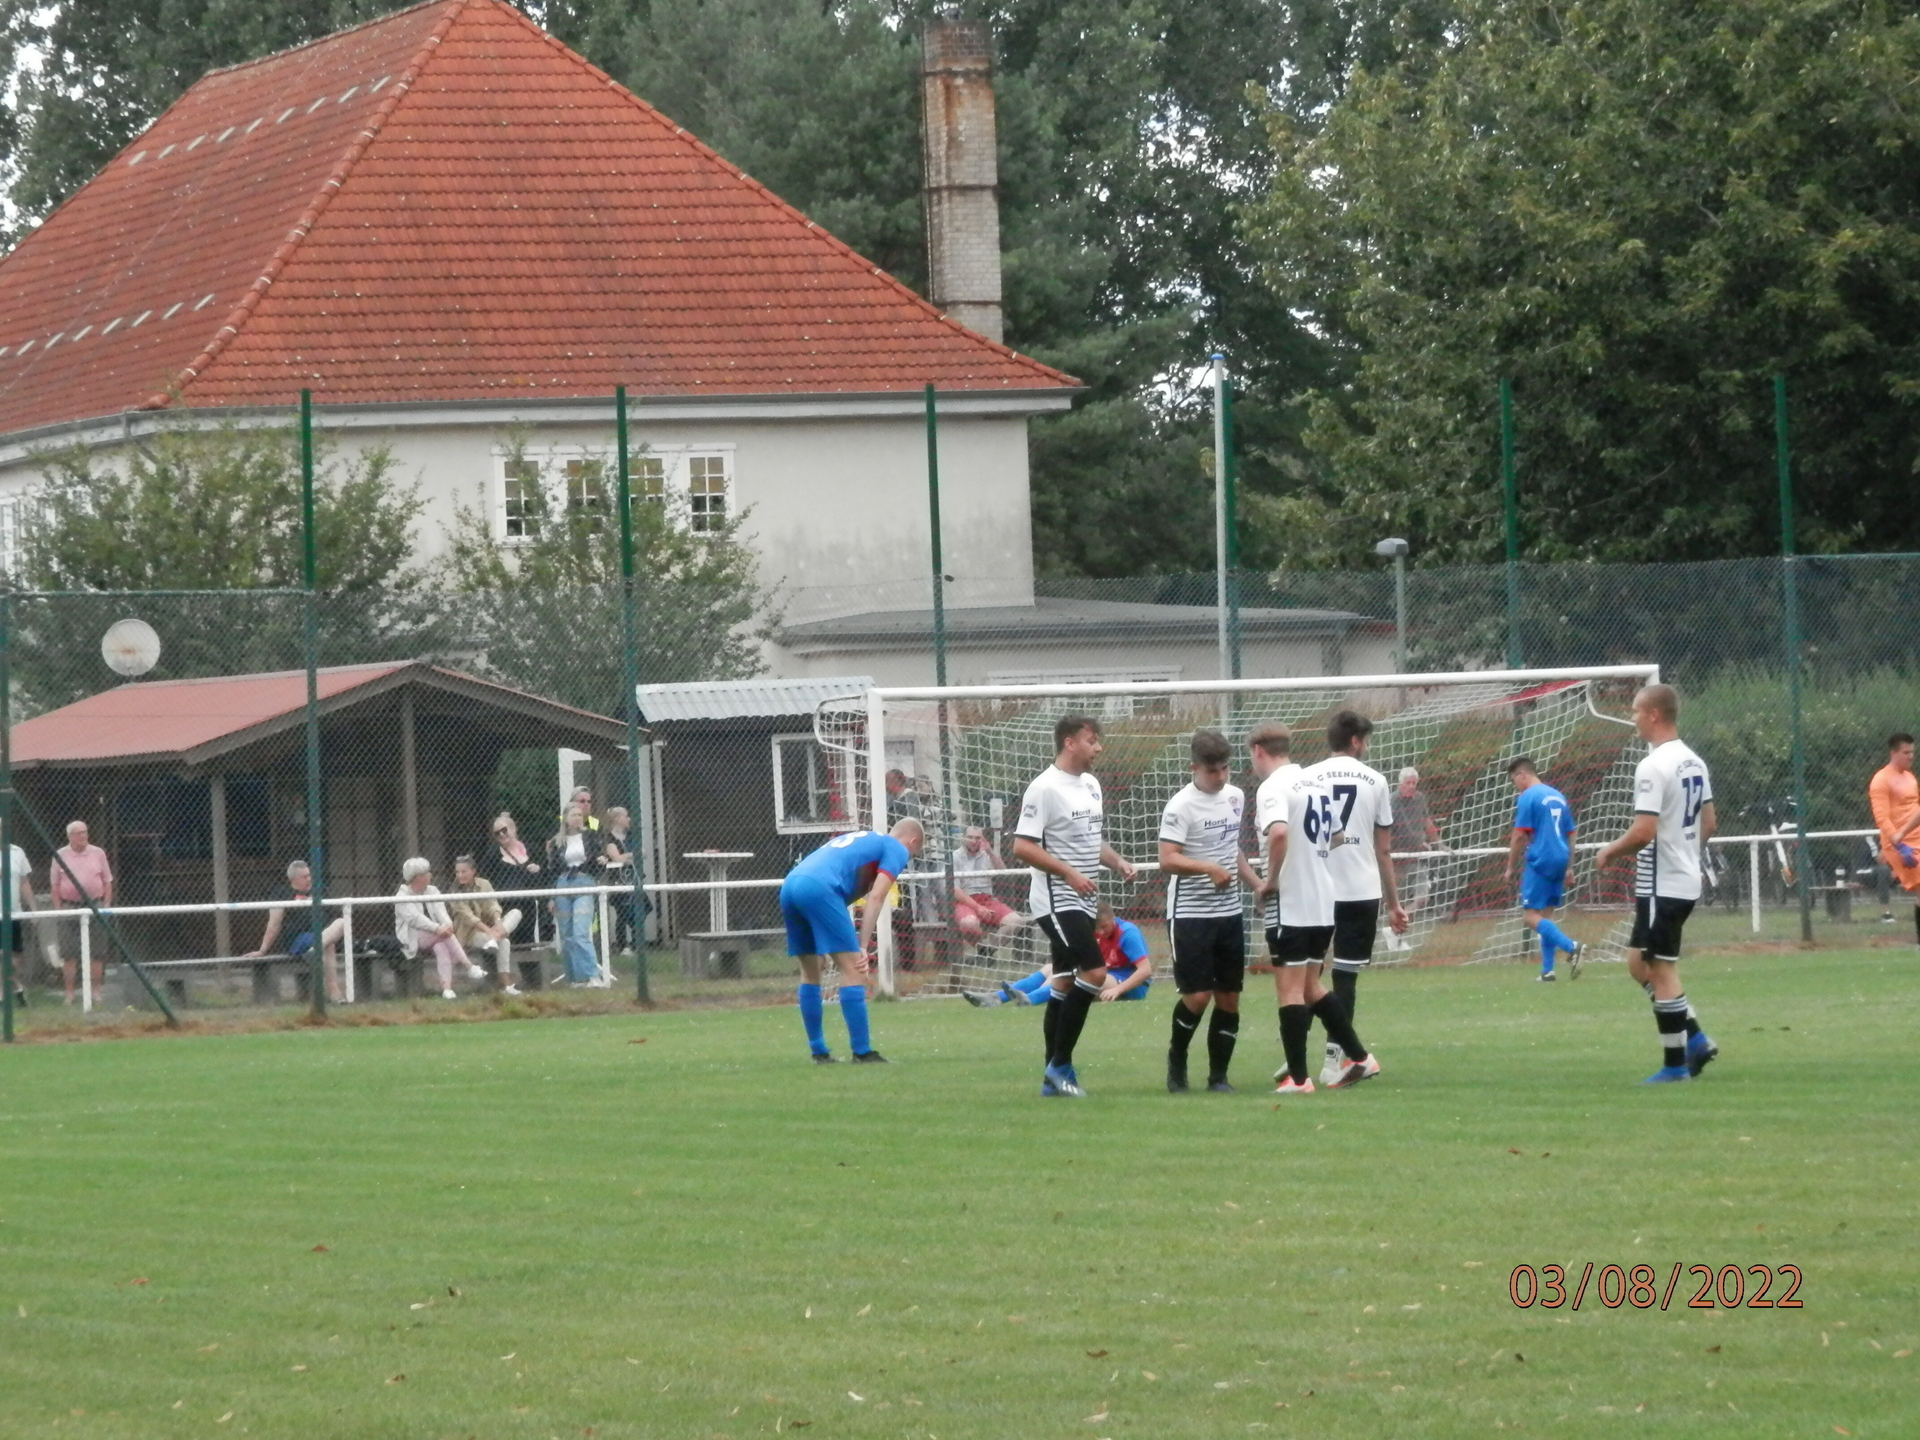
(961, 758)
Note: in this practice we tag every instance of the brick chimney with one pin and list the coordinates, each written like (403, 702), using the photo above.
(962, 173)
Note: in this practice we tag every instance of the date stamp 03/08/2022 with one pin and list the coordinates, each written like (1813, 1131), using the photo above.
(1641, 1287)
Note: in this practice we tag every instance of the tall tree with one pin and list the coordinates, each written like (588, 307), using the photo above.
(1639, 212)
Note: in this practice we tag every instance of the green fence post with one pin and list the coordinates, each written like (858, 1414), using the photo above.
(945, 838)
(309, 569)
(6, 818)
(630, 676)
(1790, 614)
(1509, 489)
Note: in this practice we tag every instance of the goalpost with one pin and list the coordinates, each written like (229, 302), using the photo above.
(968, 753)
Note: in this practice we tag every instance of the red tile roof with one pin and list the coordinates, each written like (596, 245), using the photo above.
(446, 204)
(191, 721)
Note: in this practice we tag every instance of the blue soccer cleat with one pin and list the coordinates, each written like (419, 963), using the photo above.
(1668, 1075)
(1060, 1080)
(1700, 1051)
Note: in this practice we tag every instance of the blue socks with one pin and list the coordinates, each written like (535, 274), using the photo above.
(1552, 938)
(812, 1010)
(853, 1009)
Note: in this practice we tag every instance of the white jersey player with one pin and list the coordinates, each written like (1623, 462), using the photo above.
(1295, 816)
(1206, 923)
(1061, 836)
(1363, 865)
(1673, 817)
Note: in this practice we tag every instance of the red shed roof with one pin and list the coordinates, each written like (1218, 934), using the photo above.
(446, 204)
(189, 722)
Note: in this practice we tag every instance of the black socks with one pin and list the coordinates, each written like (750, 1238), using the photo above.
(1671, 1017)
(1295, 1021)
(1185, 1022)
(1346, 984)
(1332, 1013)
(1073, 1019)
(1050, 1022)
(1222, 1031)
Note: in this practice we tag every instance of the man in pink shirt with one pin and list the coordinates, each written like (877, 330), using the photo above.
(89, 866)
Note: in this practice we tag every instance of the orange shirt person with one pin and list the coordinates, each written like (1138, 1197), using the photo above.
(1894, 794)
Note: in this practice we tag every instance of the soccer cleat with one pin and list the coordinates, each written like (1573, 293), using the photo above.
(1354, 1071)
(823, 1058)
(1288, 1087)
(1330, 1072)
(1700, 1052)
(974, 1000)
(1575, 958)
(1060, 1080)
(1545, 975)
(1219, 1087)
(871, 1057)
(1008, 995)
(1667, 1075)
(1176, 1077)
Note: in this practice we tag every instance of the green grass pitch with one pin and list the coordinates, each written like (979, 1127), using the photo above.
(547, 1229)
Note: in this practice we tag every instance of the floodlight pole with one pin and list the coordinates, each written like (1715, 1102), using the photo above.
(1225, 538)
(630, 668)
(1790, 616)
(310, 570)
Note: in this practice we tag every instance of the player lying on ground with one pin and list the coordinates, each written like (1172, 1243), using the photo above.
(1122, 946)
(1061, 836)
(1894, 796)
(1543, 828)
(1673, 818)
(813, 901)
(1294, 817)
(1206, 931)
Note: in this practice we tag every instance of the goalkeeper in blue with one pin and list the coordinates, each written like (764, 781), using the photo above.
(814, 897)
(1542, 846)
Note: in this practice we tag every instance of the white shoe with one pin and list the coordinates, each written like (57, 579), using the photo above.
(474, 972)
(448, 995)
(510, 990)
(1331, 1071)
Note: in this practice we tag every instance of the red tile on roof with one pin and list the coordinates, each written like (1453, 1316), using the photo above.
(446, 204)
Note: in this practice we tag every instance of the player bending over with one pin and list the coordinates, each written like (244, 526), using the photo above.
(1122, 947)
(1060, 836)
(1294, 818)
(1543, 828)
(1673, 818)
(1362, 868)
(813, 901)
(1206, 924)
(1894, 795)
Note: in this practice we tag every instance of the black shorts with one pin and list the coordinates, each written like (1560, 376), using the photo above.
(1074, 948)
(1292, 945)
(1355, 923)
(1657, 922)
(1209, 953)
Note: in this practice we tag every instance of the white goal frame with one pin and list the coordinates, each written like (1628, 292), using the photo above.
(878, 698)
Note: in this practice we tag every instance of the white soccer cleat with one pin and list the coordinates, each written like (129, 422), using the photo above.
(1354, 1071)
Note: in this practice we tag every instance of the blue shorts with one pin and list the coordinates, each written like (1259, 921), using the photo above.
(1541, 891)
(300, 944)
(817, 919)
(1139, 992)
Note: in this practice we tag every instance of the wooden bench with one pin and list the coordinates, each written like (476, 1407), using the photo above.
(722, 954)
(535, 965)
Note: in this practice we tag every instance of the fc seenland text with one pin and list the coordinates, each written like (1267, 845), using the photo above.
(1730, 1287)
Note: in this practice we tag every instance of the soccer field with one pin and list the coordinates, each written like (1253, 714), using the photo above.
(553, 1229)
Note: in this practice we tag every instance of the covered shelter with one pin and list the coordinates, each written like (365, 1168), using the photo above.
(197, 788)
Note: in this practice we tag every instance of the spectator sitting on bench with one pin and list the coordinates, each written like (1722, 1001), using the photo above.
(299, 896)
(478, 924)
(1122, 947)
(976, 909)
(421, 924)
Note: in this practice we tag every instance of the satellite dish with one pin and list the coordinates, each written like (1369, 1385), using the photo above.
(130, 648)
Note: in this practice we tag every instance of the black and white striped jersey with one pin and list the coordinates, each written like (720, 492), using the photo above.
(1206, 827)
(1062, 813)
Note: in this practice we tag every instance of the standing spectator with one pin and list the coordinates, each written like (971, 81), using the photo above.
(422, 924)
(571, 858)
(19, 874)
(508, 866)
(582, 800)
(78, 861)
(1894, 797)
(976, 909)
(299, 897)
(1413, 833)
(616, 861)
(478, 924)
(903, 800)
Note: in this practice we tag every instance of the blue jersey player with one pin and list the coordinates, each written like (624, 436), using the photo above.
(1542, 830)
(813, 902)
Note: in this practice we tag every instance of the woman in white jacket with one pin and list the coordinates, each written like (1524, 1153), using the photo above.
(421, 923)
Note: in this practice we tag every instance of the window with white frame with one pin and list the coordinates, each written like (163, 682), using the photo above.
(16, 518)
(809, 787)
(693, 483)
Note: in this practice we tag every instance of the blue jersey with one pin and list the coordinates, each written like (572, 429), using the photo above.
(847, 864)
(1123, 948)
(1544, 810)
